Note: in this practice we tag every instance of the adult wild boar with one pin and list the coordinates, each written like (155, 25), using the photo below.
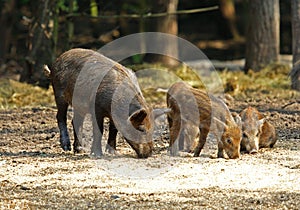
(93, 83)
(192, 113)
(257, 131)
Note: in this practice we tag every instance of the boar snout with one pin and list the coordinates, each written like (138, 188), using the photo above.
(234, 154)
(142, 122)
(253, 151)
(250, 144)
(143, 150)
(232, 149)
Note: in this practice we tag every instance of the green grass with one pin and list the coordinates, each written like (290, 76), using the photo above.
(271, 82)
(17, 94)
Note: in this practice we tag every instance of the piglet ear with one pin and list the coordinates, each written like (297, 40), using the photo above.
(138, 116)
(260, 122)
(237, 118)
(220, 122)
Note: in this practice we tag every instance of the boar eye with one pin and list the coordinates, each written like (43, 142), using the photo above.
(229, 141)
(245, 135)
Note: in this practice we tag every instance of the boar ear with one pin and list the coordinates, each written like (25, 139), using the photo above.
(160, 111)
(220, 122)
(237, 118)
(138, 116)
(260, 122)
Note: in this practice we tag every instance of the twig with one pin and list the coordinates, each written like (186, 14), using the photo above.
(291, 103)
(148, 15)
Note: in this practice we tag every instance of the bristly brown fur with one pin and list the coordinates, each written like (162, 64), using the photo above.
(210, 111)
(99, 82)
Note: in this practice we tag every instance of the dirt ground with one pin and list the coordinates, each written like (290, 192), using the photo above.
(36, 174)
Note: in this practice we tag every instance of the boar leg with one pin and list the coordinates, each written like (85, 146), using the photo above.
(77, 126)
(201, 142)
(181, 140)
(220, 150)
(96, 149)
(174, 137)
(111, 142)
(61, 116)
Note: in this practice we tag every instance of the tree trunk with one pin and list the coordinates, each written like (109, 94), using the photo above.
(168, 24)
(40, 44)
(6, 24)
(295, 73)
(262, 47)
(71, 24)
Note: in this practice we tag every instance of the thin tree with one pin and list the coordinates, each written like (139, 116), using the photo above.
(40, 43)
(262, 47)
(168, 24)
(295, 73)
(7, 18)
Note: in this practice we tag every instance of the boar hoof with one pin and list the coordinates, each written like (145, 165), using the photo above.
(221, 155)
(174, 154)
(174, 151)
(96, 154)
(65, 143)
(111, 150)
(78, 150)
(66, 147)
(196, 155)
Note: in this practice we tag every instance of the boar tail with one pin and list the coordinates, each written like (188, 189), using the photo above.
(47, 71)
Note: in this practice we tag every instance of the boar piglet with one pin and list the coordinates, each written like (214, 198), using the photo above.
(193, 115)
(257, 131)
(93, 83)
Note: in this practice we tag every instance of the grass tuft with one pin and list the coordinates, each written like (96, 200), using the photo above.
(154, 79)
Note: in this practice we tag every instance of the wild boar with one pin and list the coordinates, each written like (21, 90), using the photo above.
(194, 114)
(257, 131)
(93, 83)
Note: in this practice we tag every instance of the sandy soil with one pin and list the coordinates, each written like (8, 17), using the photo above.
(36, 174)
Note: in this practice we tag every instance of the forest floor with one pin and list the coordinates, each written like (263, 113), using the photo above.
(35, 173)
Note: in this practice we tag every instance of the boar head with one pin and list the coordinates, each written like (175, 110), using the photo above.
(251, 135)
(231, 139)
(142, 122)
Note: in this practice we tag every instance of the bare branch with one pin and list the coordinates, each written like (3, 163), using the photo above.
(148, 15)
